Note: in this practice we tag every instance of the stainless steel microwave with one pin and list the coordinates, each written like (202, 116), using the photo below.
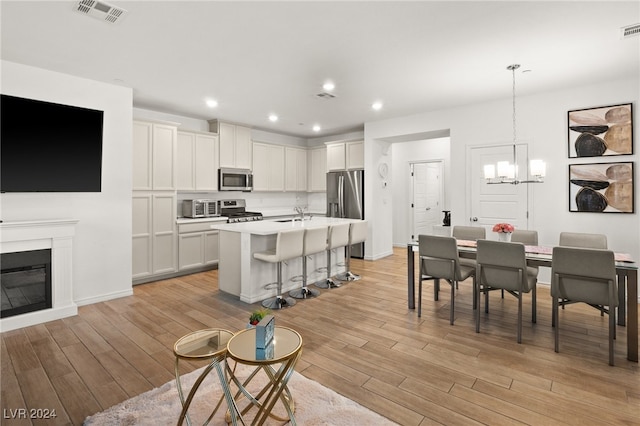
(235, 180)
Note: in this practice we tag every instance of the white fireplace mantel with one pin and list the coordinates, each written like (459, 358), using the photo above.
(56, 235)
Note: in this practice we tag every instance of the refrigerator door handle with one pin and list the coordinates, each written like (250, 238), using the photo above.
(341, 196)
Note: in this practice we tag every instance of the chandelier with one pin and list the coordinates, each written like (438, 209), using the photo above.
(506, 172)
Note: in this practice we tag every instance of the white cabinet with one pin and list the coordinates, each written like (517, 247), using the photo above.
(154, 247)
(354, 155)
(268, 167)
(154, 156)
(197, 245)
(336, 158)
(317, 167)
(235, 144)
(295, 160)
(345, 155)
(197, 161)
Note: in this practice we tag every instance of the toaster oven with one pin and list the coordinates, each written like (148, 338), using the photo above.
(199, 208)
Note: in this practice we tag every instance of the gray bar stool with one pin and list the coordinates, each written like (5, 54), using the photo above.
(357, 234)
(315, 241)
(338, 237)
(289, 245)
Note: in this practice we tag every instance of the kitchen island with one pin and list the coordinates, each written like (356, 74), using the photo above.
(241, 275)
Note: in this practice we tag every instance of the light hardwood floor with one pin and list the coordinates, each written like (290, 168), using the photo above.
(360, 340)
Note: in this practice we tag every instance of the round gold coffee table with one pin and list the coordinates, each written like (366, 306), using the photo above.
(285, 350)
(211, 345)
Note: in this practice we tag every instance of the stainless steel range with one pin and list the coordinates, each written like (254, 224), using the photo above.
(235, 210)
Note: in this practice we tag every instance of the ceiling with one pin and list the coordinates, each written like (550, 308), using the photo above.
(259, 58)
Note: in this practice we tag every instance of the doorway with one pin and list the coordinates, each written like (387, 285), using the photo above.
(427, 203)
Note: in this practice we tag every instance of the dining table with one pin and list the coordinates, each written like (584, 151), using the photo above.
(626, 273)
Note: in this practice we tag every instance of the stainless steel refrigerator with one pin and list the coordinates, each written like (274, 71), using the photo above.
(345, 198)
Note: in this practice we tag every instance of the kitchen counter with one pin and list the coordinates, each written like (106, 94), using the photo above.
(270, 227)
(182, 220)
(241, 275)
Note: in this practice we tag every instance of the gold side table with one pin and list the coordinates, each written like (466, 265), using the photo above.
(285, 350)
(211, 345)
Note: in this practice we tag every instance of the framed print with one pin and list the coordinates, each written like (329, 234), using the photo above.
(601, 188)
(600, 132)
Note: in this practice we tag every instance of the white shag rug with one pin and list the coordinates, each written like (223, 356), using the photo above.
(314, 404)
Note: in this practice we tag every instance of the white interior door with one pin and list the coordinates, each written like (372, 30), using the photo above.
(427, 184)
(491, 204)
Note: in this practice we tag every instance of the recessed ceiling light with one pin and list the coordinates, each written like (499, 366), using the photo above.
(273, 118)
(329, 86)
(377, 106)
(316, 127)
(211, 103)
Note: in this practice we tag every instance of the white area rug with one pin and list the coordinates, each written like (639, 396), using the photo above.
(314, 404)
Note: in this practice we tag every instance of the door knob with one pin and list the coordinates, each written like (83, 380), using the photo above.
(474, 219)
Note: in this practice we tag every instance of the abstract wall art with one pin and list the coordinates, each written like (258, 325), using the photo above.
(602, 131)
(601, 188)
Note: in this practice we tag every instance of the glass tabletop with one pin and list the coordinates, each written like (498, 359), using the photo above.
(242, 346)
(203, 343)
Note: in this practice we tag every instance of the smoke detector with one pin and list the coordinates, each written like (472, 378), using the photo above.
(100, 10)
(630, 31)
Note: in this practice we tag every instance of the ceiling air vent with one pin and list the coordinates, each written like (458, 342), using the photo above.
(325, 95)
(630, 31)
(100, 10)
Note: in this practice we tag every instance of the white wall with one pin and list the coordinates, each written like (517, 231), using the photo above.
(102, 244)
(542, 122)
(403, 154)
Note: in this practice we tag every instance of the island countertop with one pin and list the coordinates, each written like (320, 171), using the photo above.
(270, 227)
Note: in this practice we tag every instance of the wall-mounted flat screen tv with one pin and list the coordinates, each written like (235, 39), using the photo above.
(49, 147)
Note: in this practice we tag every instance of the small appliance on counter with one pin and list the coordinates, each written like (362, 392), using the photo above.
(199, 208)
(235, 210)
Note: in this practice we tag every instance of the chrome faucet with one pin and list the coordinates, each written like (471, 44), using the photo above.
(301, 210)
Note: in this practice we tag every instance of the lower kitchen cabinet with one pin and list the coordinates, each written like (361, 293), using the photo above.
(197, 245)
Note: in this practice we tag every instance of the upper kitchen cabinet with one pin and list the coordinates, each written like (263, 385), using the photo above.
(317, 168)
(295, 162)
(197, 161)
(268, 169)
(154, 156)
(345, 155)
(235, 144)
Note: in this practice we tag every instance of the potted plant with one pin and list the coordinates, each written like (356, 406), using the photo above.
(257, 315)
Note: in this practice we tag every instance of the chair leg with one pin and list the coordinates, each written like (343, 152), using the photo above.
(304, 292)
(436, 288)
(519, 317)
(476, 301)
(328, 282)
(554, 320)
(534, 308)
(420, 296)
(453, 301)
(279, 302)
(612, 330)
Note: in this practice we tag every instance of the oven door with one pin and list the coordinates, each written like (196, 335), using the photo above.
(235, 180)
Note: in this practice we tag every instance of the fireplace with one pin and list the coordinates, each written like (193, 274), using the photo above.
(49, 243)
(25, 282)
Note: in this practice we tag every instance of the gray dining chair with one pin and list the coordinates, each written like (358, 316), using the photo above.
(587, 276)
(502, 266)
(439, 260)
(584, 240)
(525, 236)
(471, 233)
